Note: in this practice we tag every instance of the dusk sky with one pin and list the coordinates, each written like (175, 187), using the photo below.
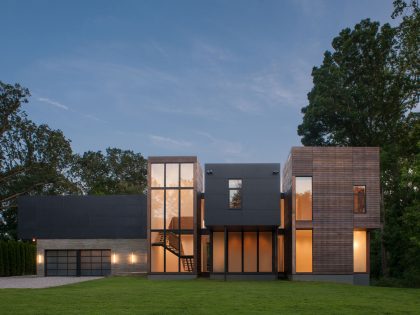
(223, 80)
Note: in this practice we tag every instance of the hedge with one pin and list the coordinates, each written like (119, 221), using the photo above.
(17, 258)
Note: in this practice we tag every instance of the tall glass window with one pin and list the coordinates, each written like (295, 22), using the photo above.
(205, 253)
(172, 217)
(187, 174)
(265, 252)
(157, 175)
(359, 251)
(359, 199)
(235, 251)
(250, 251)
(218, 251)
(157, 208)
(280, 253)
(235, 193)
(187, 207)
(303, 198)
(303, 250)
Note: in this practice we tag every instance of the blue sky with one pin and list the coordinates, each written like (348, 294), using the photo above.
(224, 80)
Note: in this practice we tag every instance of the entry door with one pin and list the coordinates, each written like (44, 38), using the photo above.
(78, 262)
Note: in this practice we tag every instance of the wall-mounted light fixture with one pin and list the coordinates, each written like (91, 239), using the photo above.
(209, 172)
(114, 259)
(132, 258)
(40, 259)
(275, 172)
(33, 239)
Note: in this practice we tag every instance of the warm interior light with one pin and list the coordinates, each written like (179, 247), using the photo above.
(114, 258)
(40, 259)
(359, 251)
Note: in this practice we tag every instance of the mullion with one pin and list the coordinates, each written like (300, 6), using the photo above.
(179, 217)
(164, 218)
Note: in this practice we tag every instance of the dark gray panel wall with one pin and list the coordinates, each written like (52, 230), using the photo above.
(260, 194)
(73, 217)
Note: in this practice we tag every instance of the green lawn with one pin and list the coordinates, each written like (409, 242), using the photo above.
(137, 295)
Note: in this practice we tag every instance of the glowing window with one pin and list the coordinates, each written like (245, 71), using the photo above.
(157, 175)
(187, 175)
(235, 252)
(359, 251)
(218, 252)
(157, 208)
(303, 198)
(172, 175)
(303, 250)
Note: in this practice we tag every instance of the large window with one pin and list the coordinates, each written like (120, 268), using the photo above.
(218, 251)
(303, 198)
(359, 251)
(235, 251)
(250, 251)
(359, 199)
(235, 193)
(280, 253)
(205, 253)
(247, 251)
(303, 250)
(172, 217)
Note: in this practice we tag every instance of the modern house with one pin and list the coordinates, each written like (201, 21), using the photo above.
(241, 226)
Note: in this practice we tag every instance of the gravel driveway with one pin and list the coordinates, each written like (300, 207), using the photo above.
(34, 282)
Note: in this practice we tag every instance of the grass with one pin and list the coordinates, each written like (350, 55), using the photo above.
(137, 295)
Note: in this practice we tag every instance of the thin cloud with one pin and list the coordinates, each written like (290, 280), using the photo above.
(53, 103)
(159, 140)
(88, 116)
(228, 148)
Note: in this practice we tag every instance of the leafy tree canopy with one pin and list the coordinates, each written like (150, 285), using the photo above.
(115, 172)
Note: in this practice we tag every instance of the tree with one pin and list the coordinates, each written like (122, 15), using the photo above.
(33, 159)
(115, 172)
(364, 94)
(360, 95)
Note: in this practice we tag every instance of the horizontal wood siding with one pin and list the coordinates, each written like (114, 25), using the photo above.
(334, 171)
(366, 172)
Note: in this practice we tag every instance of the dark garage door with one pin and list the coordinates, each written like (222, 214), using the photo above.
(77, 262)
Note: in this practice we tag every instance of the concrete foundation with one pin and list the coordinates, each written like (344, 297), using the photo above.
(172, 277)
(359, 279)
(218, 276)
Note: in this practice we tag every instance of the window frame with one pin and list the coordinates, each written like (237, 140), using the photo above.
(365, 199)
(312, 198)
(239, 190)
(167, 230)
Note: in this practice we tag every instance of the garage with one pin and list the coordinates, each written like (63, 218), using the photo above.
(95, 262)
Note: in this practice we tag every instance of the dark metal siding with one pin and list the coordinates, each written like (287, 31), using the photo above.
(260, 194)
(78, 217)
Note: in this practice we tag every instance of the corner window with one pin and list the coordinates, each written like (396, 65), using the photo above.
(235, 193)
(359, 199)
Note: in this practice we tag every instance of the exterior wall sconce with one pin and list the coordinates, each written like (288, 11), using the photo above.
(209, 172)
(114, 258)
(33, 239)
(275, 172)
(40, 259)
(133, 258)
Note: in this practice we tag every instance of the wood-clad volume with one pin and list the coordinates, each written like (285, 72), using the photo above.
(334, 172)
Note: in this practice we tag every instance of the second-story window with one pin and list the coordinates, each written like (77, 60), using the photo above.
(235, 193)
(304, 198)
(359, 199)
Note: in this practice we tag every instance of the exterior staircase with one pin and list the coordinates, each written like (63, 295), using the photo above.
(174, 245)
